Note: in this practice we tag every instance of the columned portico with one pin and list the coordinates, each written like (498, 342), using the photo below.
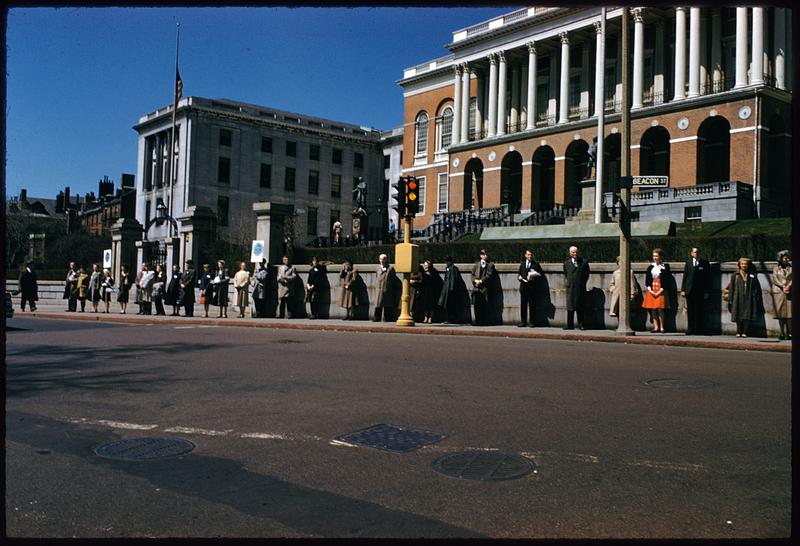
(680, 54)
(694, 52)
(501, 94)
(638, 57)
(741, 48)
(515, 108)
(465, 74)
(757, 68)
(480, 111)
(457, 104)
(716, 50)
(780, 48)
(492, 129)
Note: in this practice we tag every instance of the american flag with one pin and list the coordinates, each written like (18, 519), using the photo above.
(178, 85)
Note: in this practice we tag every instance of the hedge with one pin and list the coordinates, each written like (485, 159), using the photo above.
(760, 248)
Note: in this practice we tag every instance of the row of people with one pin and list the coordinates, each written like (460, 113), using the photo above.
(433, 298)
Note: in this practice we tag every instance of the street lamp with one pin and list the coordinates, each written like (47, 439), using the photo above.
(161, 212)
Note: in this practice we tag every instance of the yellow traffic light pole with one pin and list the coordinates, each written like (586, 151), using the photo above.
(406, 255)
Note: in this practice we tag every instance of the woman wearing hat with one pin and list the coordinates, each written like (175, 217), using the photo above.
(782, 293)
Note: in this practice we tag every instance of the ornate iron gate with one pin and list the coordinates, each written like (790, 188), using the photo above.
(154, 253)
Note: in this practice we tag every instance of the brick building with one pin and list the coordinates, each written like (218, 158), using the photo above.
(509, 115)
(98, 214)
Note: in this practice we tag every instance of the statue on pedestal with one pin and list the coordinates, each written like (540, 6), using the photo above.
(592, 163)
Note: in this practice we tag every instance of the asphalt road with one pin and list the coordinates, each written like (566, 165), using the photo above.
(703, 453)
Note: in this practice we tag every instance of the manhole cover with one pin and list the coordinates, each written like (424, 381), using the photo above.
(391, 438)
(144, 449)
(483, 465)
(680, 383)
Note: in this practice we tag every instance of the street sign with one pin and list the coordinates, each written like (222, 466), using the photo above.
(650, 181)
(257, 252)
(107, 258)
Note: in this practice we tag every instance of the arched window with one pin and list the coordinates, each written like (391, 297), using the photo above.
(445, 129)
(422, 134)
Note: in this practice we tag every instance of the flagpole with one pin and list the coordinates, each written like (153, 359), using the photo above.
(173, 178)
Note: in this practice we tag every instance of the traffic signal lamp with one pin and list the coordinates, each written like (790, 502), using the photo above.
(412, 196)
(400, 196)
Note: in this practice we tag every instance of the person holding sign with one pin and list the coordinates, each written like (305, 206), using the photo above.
(529, 276)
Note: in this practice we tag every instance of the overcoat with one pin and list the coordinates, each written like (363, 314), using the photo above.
(94, 286)
(696, 280)
(124, 287)
(82, 285)
(261, 278)
(487, 291)
(454, 289)
(782, 302)
(220, 296)
(188, 280)
(576, 278)
(615, 287)
(286, 284)
(431, 289)
(146, 285)
(385, 287)
(172, 295)
(317, 277)
(241, 282)
(350, 288)
(29, 285)
(744, 297)
(70, 290)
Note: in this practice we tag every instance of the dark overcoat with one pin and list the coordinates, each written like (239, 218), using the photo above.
(696, 280)
(29, 285)
(188, 280)
(351, 289)
(431, 289)
(576, 278)
(454, 290)
(172, 295)
(261, 279)
(744, 297)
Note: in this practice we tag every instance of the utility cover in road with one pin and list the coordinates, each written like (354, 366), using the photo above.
(144, 449)
(391, 438)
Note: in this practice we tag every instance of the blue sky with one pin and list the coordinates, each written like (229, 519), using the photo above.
(78, 79)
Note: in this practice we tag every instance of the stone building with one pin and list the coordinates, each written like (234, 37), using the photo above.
(230, 155)
(509, 115)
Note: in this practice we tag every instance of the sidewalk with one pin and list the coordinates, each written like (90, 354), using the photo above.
(678, 339)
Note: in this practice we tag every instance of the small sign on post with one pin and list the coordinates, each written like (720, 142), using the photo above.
(107, 259)
(257, 252)
(644, 182)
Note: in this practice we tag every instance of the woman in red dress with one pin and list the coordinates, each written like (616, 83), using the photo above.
(655, 298)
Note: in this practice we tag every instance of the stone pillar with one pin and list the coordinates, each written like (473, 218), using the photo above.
(599, 72)
(780, 48)
(741, 48)
(269, 227)
(694, 52)
(479, 108)
(638, 57)
(680, 54)
(531, 121)
(456, 105)
(173, 245)
(523, 91)
(757, 72)
(492, 129)
(465, 75)
(703, 53)
(563, 98)
(514, 98)
(197, 231)
(658, 77)
(501, 95)
(716, 50)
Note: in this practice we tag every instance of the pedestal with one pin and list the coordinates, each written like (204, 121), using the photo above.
(197, 231)
(270, 219)
(586, 214)
(360, 226)
(125, 233)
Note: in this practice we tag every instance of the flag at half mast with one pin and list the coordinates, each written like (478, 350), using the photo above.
(178, 85)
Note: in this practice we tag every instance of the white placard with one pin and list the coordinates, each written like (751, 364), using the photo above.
(107, 258)
(257, 252)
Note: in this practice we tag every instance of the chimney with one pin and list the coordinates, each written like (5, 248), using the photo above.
(106, 187)
(23, 195)
(128, 181)
(60, 202)
(67, 204)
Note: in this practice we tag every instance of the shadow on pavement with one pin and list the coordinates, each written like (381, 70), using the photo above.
(224, 481)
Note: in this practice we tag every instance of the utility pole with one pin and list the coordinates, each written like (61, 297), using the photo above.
(600, 109)
(624, 327)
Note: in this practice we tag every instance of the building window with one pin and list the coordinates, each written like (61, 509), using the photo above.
(387, 161)
(313, 182)
(336, 185)
(421, 137)
(266, 145)
(473, 115)
(443, 190)
(313, 152)
(291, 148)
(288, 182)
(224, 170)
(311, 225)
(336, 156)
(421, 184)
(358, 160)
(224, 137)
(266, 175)
(222, 211)
(693, 214)
(401, 157)
(445, 129)
(147, 210)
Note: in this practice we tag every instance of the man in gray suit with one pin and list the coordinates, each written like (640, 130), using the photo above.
(386, 298)
(286, 287)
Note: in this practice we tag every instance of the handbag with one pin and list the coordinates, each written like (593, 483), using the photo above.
(202, 299)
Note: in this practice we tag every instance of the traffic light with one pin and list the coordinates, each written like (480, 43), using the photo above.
(400, 197)
(412, 196)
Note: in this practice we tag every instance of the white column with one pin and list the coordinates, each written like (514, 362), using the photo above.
(531, 86)
(563, 99)
(456, 105)
(716, 50)
(618, 74)
(741, 47)
(638, 57)
(465, 73)
(680, 53)
(586, 74)
(479, 110)
(501, 95)
(599, 72)
(780, 48)
(659, 77)
(703, 52)
(694, 52)
(492, 129)
(514, 98)
(523, 90)
(757, 73)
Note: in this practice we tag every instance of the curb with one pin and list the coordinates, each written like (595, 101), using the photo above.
(265, 323)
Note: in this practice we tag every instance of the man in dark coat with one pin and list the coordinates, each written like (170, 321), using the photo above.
(695, 287)
(530, 275)
(29, 286)
(453, 298)
(71, 288)
(576, 271)
(484, 277)
(188, 280)
(260, 290)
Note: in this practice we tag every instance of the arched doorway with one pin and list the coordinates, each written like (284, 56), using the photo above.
(713, 150)
(511, 181)
(776, 178)
(473, 184)
(543, 179)
(575, 170)
(612, 162)
(654, 152)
